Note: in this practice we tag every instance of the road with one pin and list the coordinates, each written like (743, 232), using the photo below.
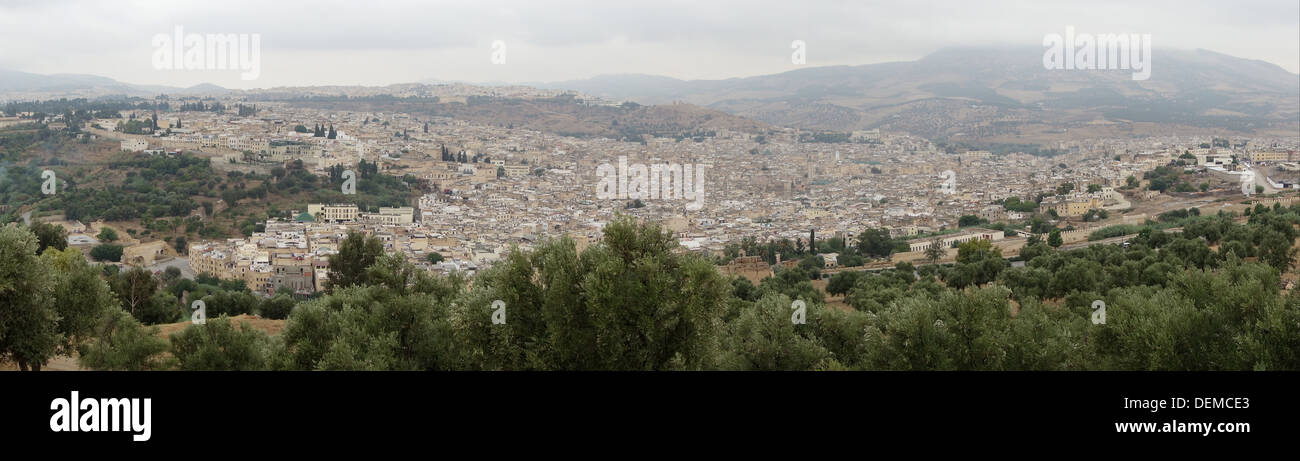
(1260, 179)
(1122, 203)
(179, 262)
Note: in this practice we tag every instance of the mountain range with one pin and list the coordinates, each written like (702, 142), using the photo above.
(974, 94)
(25, 85)
(990, 93)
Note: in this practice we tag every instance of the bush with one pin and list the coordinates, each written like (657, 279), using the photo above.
(107, 252)
(277, 308)
(1114, 231)
(121, 343)
(221, 345)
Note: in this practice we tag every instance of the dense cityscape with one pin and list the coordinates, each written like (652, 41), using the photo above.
(483, 191)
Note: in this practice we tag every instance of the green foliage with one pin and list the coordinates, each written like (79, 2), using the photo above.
(28, 319)
(107, 234)
(1054, 238)
(875, 243)
(813, 264)
(1113, 231)
(49, 305)
(357, 251)
(221, 345)
(1163, 178)
(841, 282)
(107, 252)
(978, 263)
(970, 220)
(80, 297)
(633, 302)
(1014, 204)
(155, 186)
(139, 293)
(763, 337)
(49, 236)
(230, 303)
(121, 344)
(871, 292)
(794, 283)
(401, 323)
(1201, 321)
(849, 260)
(277, 308)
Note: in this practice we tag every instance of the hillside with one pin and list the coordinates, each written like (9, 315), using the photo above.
(993, 94)
(561, 115)
(166, 198)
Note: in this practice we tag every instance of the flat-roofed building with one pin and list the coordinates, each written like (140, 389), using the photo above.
(392, 216)
(950, 241)
(333, 213)
(1269, 156)
(134, 145)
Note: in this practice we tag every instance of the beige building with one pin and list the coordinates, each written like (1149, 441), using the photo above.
(134, 145)
(1270, 157)
(749, 267)
(392, 216)
(257, 146)
(950, 241)
(516, 170)
(144, 254)
(333, 213)
(1077, 206)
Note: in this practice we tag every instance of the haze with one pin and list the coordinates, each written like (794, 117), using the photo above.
(384, 42)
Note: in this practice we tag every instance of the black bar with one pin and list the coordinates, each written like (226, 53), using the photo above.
(288, 409)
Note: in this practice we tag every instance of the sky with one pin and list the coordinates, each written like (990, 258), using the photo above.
(380, 42)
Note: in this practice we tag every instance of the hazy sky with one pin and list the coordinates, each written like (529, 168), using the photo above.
(378, 42)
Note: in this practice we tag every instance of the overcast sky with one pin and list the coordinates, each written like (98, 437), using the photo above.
(378, 42)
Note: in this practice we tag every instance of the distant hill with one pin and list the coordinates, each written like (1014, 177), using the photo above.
(961, 95)
(988, 93)
(28, 86)
(560, 115)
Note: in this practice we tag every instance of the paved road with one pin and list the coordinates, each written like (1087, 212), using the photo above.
(181, 263)
(1261, 180)
(1122, 203)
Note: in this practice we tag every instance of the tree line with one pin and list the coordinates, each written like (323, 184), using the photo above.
(633, 302)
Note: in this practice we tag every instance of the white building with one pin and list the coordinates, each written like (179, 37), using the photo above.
(134, 145)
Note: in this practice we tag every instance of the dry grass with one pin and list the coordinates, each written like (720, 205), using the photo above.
(271, 327)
